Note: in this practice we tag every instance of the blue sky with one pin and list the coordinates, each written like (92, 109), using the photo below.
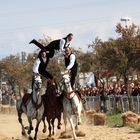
(21, 21)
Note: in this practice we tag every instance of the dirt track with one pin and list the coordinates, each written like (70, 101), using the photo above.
(10, 130)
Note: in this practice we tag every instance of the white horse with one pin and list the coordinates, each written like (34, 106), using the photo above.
(32, 106)
(71, 103)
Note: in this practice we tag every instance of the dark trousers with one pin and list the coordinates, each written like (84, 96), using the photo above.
(45, 74)
(73, 75)
(49, 48)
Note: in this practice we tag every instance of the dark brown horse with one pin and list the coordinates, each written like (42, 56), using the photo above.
(53, 107)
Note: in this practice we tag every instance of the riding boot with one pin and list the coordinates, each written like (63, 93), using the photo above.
(32, 41)
(37, 44)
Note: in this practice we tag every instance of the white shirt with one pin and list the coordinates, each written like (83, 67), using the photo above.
(72, 61)
(60, 52)
(37, 63)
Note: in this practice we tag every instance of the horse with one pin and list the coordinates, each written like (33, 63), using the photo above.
(71, 103)
(32, 106)
(53, 107)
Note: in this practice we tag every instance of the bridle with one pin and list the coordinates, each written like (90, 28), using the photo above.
(66, 85)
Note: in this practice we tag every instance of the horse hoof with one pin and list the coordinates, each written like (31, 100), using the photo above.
(23, 133)
(30, 138)
(79, 123)
(58, 127)
(44, 130)
(31, 128)
(26, 127)
(29, 131)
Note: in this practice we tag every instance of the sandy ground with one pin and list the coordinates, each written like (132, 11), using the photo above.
(10, 130)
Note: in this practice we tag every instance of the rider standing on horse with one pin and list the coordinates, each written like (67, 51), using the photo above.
(40, 65)
(55, 46)
(71, 64)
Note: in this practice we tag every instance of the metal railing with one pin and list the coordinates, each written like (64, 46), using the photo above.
(113, 103)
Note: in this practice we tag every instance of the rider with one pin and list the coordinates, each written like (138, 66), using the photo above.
(56, 45)
(71, 64)
(40, 65)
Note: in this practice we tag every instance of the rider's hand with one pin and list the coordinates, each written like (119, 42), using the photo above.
(36, 74)
(67, 71)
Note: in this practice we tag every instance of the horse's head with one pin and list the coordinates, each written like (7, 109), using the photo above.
(37, 83)
(51, 87)
(50, 83)
(66, 83)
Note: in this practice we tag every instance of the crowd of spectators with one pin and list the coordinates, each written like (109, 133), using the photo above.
(118, 90)
(6, 97)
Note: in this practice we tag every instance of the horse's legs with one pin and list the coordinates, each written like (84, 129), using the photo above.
(36, 129)
(49, 127)
(44, 129)
(72, 125)
(59, 121)
(79, 118)
(52, 122)
(78, 121)
(65, 120)
(76, 126)
(20, 121)
(30, 125)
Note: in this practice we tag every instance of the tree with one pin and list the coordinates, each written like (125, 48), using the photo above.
(17, 73)
(117, 54)
(86, 61)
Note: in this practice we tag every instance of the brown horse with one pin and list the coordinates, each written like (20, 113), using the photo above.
(53, 107)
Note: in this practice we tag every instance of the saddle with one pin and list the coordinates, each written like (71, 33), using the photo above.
(25, 99)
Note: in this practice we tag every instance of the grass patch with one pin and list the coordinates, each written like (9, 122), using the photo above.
(113, 120)
(136, 127)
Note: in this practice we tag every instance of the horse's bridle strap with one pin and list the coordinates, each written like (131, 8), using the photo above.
(68, 94)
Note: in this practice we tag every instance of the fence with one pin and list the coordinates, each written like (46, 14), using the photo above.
(92, 102)
(113, 103)
(136, 104)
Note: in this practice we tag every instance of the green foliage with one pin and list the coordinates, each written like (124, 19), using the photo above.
(135, 127)
(16, 72)
(86, 62)
(113, 120)
(117, 55)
